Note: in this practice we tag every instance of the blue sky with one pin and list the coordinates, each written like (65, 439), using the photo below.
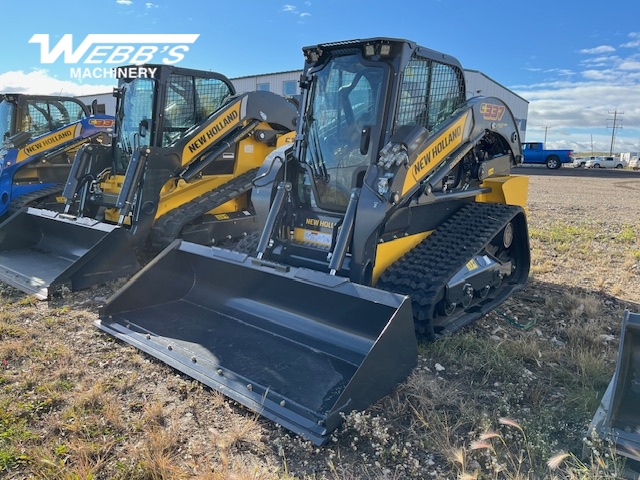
(575, 61)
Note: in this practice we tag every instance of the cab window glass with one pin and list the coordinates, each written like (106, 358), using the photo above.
(188, 102)
(429, 93)
(41, 116)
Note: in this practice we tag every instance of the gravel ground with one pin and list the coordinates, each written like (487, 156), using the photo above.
(604, 203)
(574, 194)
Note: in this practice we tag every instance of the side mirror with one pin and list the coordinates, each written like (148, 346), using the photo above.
(143, 128)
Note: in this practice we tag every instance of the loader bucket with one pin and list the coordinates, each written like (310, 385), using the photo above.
(41, 251)
(297, 346)
(618, 417)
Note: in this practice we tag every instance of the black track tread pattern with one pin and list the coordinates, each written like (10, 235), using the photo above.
(423, 272)
(31, 199)
(249, 244)
(168, 227)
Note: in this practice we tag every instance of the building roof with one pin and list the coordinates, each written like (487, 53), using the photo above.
(497, 83)
(266, 74)
(300, 71)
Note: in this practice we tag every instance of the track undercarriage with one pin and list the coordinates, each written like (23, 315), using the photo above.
(463, 269)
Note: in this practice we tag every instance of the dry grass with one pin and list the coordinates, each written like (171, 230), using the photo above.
(75, 404)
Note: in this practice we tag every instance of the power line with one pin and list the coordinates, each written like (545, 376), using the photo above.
(546, 129)
(614, 127)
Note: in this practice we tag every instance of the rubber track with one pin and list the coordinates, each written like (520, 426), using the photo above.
(423, 272)
(28, 198)
(168, 227)
(248, 244)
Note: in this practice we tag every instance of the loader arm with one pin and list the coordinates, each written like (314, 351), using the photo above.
(417, 171)
(170, 172)
(35, 168)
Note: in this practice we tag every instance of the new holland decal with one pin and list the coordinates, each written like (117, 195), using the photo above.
(436, 151)
(220, 125)
(49, 141)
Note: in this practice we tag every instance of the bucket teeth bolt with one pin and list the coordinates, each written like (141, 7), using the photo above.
(194, 359)
(169, 347)
(282, 403)
(219, 371)
(148, 336)
(250, 387)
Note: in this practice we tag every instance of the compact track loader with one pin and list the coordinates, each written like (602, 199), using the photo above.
(185, 151)
(618, 417)
(40, 137)
(393, 211)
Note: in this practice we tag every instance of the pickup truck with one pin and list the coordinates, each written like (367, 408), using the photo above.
(534, 152)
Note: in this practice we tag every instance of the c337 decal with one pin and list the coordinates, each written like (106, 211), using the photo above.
(492, 112)
(99, 122)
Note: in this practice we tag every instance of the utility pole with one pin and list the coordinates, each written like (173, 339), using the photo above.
(614, 127)
(592, 144)
(546, 129)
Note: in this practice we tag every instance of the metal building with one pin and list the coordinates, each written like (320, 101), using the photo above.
(106, 102)
(286, 83)
(480, 84)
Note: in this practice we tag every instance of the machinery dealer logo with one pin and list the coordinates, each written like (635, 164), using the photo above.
(101, 49)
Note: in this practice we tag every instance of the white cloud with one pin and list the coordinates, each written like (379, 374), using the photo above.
(295, 11)
(598, 50)
(124, 2)
(576, 104)
(608, 75)
(576, 111)
(600, 61)
(630, 65)
(561, 71)
(633, 43)
(151, 5)
(40, 83)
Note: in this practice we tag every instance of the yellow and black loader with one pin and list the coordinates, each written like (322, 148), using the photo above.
(185, 152)
(394, 211)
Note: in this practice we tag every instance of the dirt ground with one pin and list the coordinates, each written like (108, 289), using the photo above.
(607, 201)
(75, 403)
